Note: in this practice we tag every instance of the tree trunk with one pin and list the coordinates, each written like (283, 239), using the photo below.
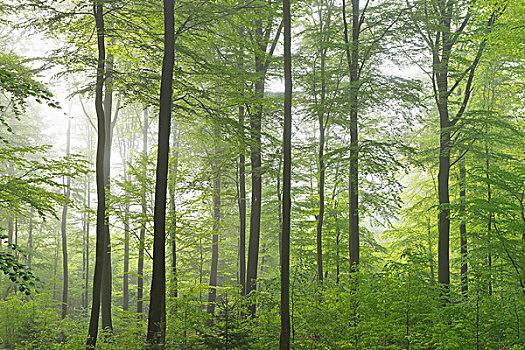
(441, 54)
(142, 237)
(10, 228)
(30, 239)
(216, 227)
(173, 229)
(284, 338)
(125, 286)
(444, 201)
(352, 56)
(157, 310)
(100, 176)
(463, 230)
(489, 223)
(86, 287)
(64, 229)
(255, 126)
(322, 170)
(242, 210)
(262, 58)
(107, 322)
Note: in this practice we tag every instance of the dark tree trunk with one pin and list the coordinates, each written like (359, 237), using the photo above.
(352, 56)
(157, 310)
(284, 339)
(442, 48)
(261, 67)
(444, 201)
(463, 230)
(216, 227)
(242, 210)
(67, 194)
(322, 170)
(142, 235)
(489, 223)
(101, 193)
(107, 322)
(255, 126)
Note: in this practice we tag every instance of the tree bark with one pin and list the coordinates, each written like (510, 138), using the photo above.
(212, 295)
(10, 228)
(142, 235)
(463, 230)
(284, 339)
(30, 238)
(322, 171)
(86, 287)
(242, 210)
(67, 194)
(101, 192)
(173, 228)
(352, 56)
(255, 126)
(261, 68)
(107, 322)
(125, 286)
(157, 311)
(489, 222)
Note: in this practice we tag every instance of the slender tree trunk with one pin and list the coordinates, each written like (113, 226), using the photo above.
(489, 223)
(10, 228)
(157, 310)
(125, 286)
(101, 192)
(430, 253)
(255, 125)
(444, 201)
(242, 211)
(173, 229)
(65, 277)
(442, 49)
(142, 235)
(30, 239)
(55, 269)
(463, 230)
(86, 287)
(324, 25)
(284, 339)
(107, 322)
(352, 56)
(242, 181)
(216, 227)
(321, 183)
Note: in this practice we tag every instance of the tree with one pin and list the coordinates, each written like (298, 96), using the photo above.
(264, 50)
(157, 310)
(284, 340)
(443, 33)
(100, 179)
(67, 195)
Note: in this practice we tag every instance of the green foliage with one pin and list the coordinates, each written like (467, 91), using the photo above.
(32, 179)
(17, 85)
(19, 273)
